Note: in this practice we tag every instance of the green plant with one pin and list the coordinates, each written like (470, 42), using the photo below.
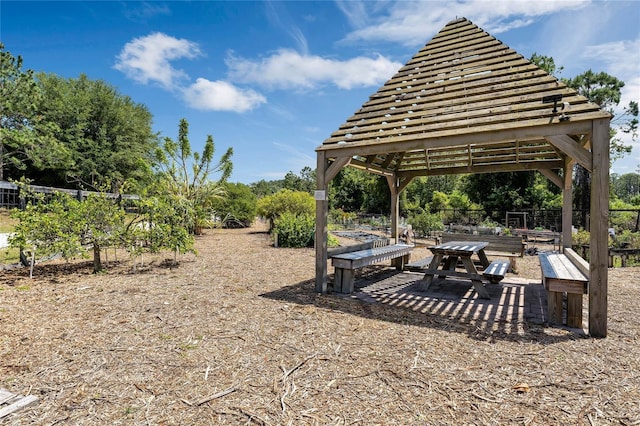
(424, 223)
(293, 230)
(284, 201)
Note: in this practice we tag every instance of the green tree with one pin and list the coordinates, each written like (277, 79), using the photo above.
(25, 136)
(185, 177)
(109, 136)
(626, 187)
(298, 203)
(306, 181)
(238, 208)
(606, 91)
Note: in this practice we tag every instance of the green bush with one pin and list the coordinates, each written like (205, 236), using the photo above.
(237, 208)
(424, 223)
(286, 201)
(293, 230)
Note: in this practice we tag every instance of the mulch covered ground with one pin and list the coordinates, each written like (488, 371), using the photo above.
(237, 335)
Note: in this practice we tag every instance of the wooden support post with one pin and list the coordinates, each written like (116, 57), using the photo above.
(395, 206)
(598, 259)
(567, 205)
(322, 214)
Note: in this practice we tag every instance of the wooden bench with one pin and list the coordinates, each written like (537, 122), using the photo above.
(496, 270)
(345, 263)
(564, 273)
(499, 245)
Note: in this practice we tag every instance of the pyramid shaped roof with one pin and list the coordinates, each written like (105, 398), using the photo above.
(466, 103)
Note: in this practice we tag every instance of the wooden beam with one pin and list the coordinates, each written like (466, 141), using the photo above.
(447, 138)
(322, 214)
(599, 223)
(567, 204)
(403, 182)
(395, 206)
(334, 168)
(553, 177)
(370, 167)
(495, 168)
(573, 149)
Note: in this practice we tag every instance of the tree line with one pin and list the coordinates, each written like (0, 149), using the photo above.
(80, 133)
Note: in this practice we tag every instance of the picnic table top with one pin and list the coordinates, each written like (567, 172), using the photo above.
(459, 247)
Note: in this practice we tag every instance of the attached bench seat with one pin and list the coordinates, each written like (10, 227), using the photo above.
(346, 263)
(496, 270)
(499, 245)
(564, 273)
(419, 265)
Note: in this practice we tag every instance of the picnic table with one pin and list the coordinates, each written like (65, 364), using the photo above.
(447, 255)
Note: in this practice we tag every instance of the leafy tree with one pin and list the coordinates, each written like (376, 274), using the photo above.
(25, 136)
(186, 176)
(99, 221)
(305, 182)
(605, 90)
(238, 208)
(626, 187)
(262, 188)
(297, 203)
(423, 223)
(500, 192)
(46, 226)
(65, 225)
(109, 136)
(158, 225)
(546, 63)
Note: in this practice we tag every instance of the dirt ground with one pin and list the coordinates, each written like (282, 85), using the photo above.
(237, 335)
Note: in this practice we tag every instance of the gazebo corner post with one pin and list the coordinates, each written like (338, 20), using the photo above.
(395, 206)
(599, 224)
(321, 233)
(567, 204)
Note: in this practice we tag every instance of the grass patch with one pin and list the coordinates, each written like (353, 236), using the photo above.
(6, 222)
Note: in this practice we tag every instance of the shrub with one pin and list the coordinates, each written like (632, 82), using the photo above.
(286, 201)
(424, 223)
(293, 230)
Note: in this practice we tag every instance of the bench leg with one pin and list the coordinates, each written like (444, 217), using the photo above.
(477, 284)
(425, 282)
(554, 307)
(574, 310)
(513, 268)
(343, 280)
(399, 262)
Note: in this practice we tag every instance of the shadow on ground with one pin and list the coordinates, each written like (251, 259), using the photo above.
(515, 311)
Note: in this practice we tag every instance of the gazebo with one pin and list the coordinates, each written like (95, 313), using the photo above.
(467, 103)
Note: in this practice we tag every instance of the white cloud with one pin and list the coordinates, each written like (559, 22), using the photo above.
(221, 96)
(148, 59)
(621, 58)
(288, 69)
(415, 22)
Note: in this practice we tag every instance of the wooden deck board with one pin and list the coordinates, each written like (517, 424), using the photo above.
(11, 402)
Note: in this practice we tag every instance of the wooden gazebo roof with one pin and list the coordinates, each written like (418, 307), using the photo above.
(467, 103)
(454, 108)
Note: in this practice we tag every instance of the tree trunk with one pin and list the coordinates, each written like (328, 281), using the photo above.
(97, 264)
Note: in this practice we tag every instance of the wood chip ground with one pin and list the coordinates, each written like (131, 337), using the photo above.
(236, 335)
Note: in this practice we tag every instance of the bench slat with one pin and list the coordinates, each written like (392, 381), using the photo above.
(358, 259)
(496, 270)
(558, 266)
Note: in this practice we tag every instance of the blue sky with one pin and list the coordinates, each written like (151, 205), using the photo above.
(274, 79)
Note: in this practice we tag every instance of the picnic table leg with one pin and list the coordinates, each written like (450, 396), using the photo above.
(483, 258)
(450, 264)
(425, 282)
(477, 284)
